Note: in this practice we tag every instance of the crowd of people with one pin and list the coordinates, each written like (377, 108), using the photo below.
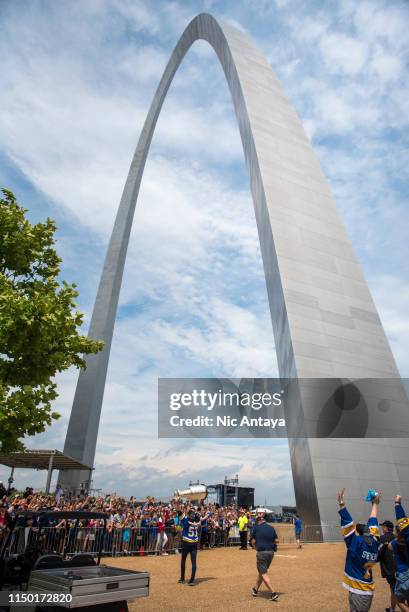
(132, 526)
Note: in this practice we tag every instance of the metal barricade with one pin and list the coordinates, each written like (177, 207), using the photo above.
(310, 534)
(119, 541)
(233, 538)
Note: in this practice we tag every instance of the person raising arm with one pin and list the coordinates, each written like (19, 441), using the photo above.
(190, 539)
(362, 543)
(400, 547)
(401, 518)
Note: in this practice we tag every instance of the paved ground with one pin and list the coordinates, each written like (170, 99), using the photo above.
(308, 580)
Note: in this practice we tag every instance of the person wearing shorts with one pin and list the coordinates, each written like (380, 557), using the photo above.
(264, 539)
(298, 530)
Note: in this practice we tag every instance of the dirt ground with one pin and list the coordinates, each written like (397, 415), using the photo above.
(308, 580)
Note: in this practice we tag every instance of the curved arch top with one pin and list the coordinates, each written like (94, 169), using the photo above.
(320, 305)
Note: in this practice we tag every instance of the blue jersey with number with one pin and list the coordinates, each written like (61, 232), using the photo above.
(189, 531)
(362, 554)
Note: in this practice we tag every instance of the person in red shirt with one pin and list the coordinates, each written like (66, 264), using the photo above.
(3, 522)
(162, 538)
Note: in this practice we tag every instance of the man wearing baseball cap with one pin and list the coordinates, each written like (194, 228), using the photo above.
(242, 522)
(264, 539)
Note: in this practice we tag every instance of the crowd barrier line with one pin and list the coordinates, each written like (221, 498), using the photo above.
(121, 541)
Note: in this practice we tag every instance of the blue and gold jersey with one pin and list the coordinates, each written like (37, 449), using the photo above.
(362, 554)
(402, 520)
(190, 530)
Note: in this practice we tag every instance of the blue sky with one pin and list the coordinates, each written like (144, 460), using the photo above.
(77, 79)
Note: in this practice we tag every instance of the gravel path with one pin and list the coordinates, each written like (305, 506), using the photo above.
(308, 580)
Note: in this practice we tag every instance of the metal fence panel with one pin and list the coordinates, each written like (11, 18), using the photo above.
(117, 541)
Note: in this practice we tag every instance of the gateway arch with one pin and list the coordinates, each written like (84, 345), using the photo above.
(324, 320)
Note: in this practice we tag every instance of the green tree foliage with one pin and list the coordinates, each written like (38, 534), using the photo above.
(39, 325)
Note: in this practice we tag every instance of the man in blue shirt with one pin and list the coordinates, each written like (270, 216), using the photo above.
(298, 529)
(190, 538)
(264, 539)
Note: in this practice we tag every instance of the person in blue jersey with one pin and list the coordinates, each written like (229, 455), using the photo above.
(298, 529)
(190, 537)
(362, 542)
(400, 547)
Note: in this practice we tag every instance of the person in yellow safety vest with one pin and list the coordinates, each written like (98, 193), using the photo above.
(243, 524)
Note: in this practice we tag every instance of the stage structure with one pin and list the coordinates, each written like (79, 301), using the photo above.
(324, 320)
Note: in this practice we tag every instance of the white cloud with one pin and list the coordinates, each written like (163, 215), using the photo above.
(386, 66)
(74, 136)
(172, 464)
(230, 339)
(382, 21)
(343, 53)
(308, 29)
(338, 112)
(144, 64)
(265, 8)
(290, 67)
(139, 15)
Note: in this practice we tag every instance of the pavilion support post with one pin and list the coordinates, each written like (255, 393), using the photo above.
(11, 479)
(89, 481)
(49, 473)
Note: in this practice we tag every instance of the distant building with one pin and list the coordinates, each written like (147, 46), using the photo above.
(278, 514)
(288, 510)
(230, 495)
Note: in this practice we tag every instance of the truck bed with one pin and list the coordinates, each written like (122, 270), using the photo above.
(90, 585)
